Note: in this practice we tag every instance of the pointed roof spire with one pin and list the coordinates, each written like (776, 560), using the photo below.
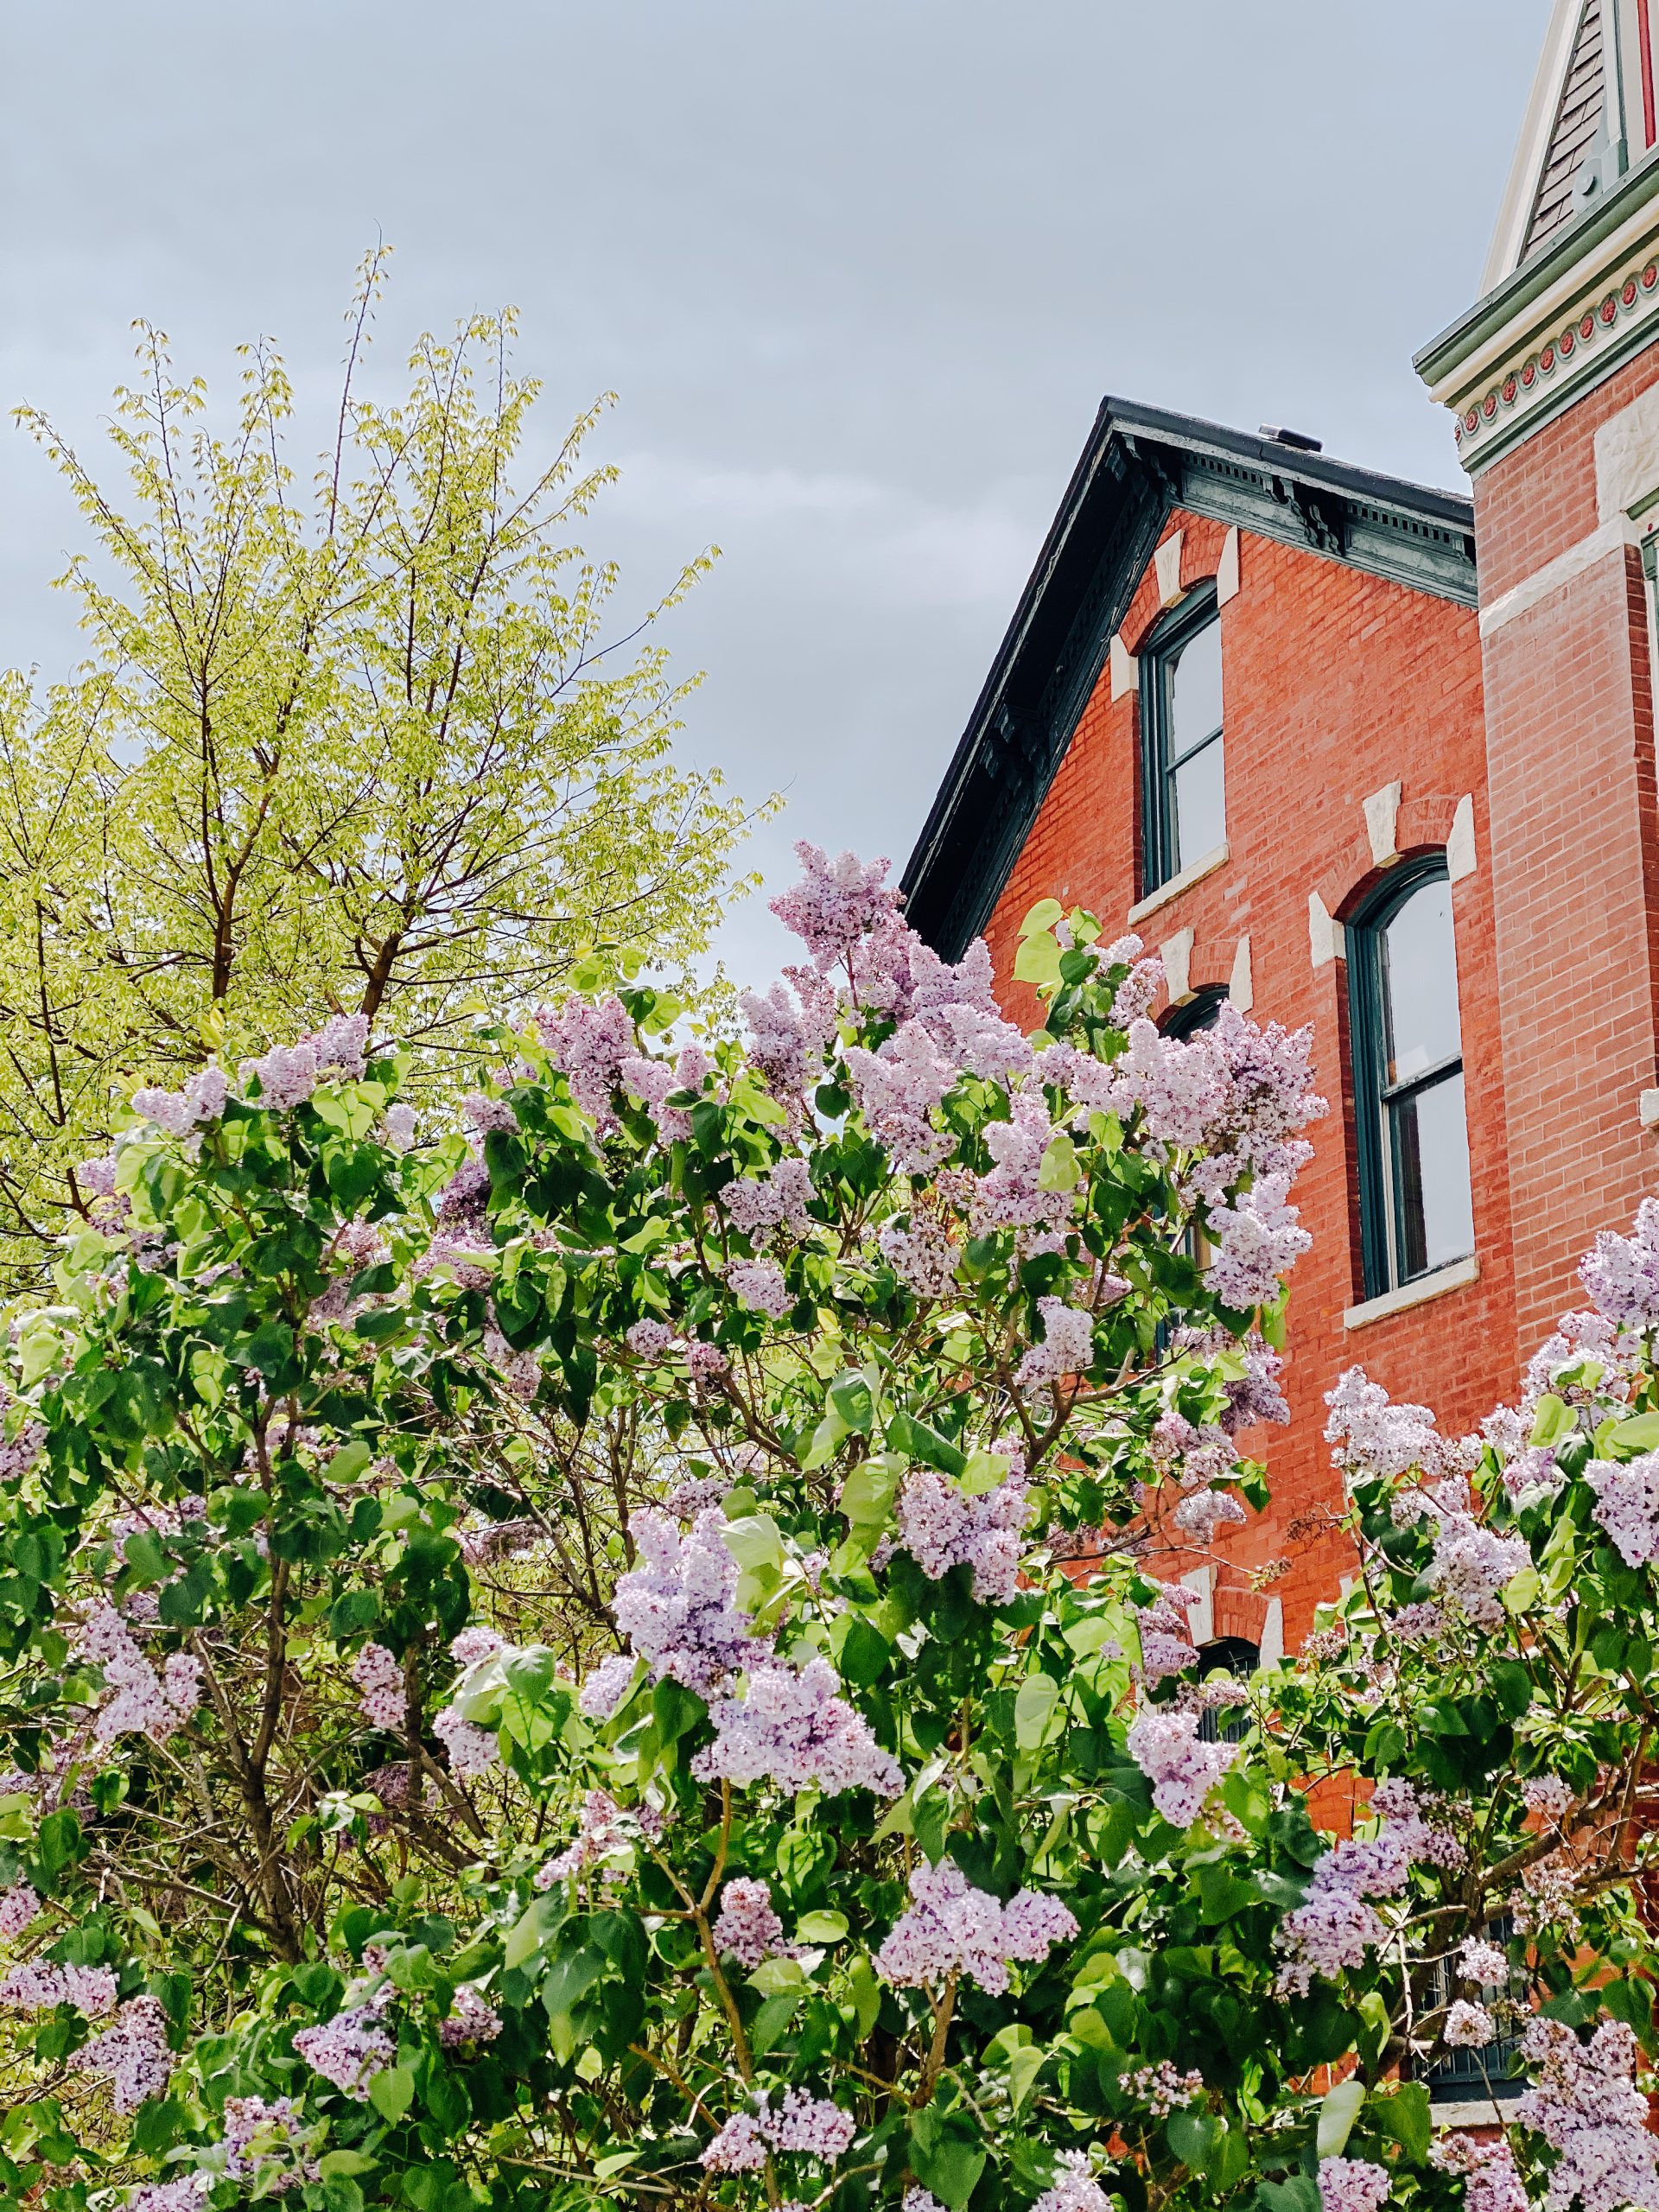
(1591, 116)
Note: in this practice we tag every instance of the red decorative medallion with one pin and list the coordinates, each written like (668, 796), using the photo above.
(1491, 407)
(1508, 391)
(1569, 339)
(1547, 360)
(1629, 293)
(1650, 275)
(1609, 309)
(1529, 375)
(1587, 327)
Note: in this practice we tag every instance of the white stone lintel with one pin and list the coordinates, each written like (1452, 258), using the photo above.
(1326, 936)
(1382, 817)
(1227, 569)
(1176, 953)
(1241, 987)
(1126, 670)
(1168, 561)
(1460, 840)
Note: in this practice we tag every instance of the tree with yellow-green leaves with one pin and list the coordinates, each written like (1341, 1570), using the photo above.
(372, 743)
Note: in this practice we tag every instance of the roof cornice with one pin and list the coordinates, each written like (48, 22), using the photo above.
(1138, 464)
(1562, 323)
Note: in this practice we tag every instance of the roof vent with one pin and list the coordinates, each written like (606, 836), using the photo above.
(1297, 439)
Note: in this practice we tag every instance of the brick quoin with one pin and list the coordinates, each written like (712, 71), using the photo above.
(1336, 684)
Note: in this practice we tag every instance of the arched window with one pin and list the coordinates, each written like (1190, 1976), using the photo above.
(1197, 1013)
(1183, 792)
(1237, 1657)
(1416, 1213)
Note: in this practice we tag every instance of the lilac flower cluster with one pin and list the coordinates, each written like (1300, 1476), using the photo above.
(379, 1677)
(787, 1035)
(1622, 1273)
(1260, 1240)
(1627, 1504)
(942, 1528)
(133, 2053)
(1074, 2188)
(813, 2127)
(779, 1199)
(897, 1088)
(795, 1730)
(1549, 1794)
(180, 1112)
(349, 2050)
(696, 1494)
(473, 1749)
(182, 2193)
(268, 2144)
(846, 916)
(607, 1686)
(1353, 2185)
(19, 1908)
(1375, 1438)
(1491, 2182)
(601, 1831)
(289, 1073)
(676, 1607)
(587, 1043)
(1337, 1926)
(39, 1984)
(1182, 1768)
(747, 1925)
(954, 1930)
(760, 1284)
(1010, 1195)
(1482, 1962)
(922, 1256)
(1586, 2104)
(138, 1702)
(472, 2019)
(1068, 1345)
(1201, 1513)
(1546, 1896)
(1161, 2088)
(1165, 1639)
(1468, 2027)
(655, 1082)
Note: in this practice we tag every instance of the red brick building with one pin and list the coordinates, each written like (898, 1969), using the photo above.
(1378, 757)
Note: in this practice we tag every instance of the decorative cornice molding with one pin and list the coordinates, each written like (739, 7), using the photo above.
(1561, 325)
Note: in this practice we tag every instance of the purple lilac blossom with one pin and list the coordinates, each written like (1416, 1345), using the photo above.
(138, 1701)
(778, 1199)
(651, 1339)
(472, 2019)
(1549, 1795)
(1068, 1345)
(941, 1529)
(133, 2053)
(897, 1087)
(747, 1925)
(848, 917)
(922, 1257)
(1161, 2088)
(1481, 1963)
(955, 1930)
(1353, 2185)
(587, 1043)
(473, 1751)
(19, 1908)
(1010, 1194)
(349, 2050)
(39, 1984)
(1182, 1768)
(1202, 1512)
(607, 1686)
(1166, 1640)
(706, 1361)
(1622, 1273)
(760, 1284)
(1074, 2188)
(179, 1112)
(601, 1832)
(794, 1730)
(183, 2194)
(1260, 1241)
(1468, 2027)
(267, 2143)
(676, 1607)
(400, 1125)
(1627, 1504)
(786, 1035)
(379, 1678)
(1491, 2182)
(1586, 2104)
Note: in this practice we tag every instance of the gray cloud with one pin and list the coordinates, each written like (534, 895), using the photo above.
(860, 272)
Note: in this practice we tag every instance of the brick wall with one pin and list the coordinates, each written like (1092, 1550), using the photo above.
(1570, 755)
(1336, 684)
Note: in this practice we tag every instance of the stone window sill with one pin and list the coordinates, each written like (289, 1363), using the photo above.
(1458, 1276)
(1196, 872)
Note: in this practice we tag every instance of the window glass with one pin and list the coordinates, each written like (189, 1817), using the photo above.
(1416, 1210)
(1437, 1219)
(1420, 965)
(1182, 759)
(1199, 807)
(1195, 691)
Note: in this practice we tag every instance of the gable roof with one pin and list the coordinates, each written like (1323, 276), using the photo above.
(1138, 464)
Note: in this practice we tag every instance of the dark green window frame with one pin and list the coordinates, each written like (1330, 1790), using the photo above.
(1159, 831)
(1378, 1101)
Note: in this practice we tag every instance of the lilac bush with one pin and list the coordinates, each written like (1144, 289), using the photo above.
(621, 1651)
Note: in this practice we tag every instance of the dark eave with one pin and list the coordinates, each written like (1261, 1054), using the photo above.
(1139, 463)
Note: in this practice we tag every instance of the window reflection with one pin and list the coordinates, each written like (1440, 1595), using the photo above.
(1183, 754)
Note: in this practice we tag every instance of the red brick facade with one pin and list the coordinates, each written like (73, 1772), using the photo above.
(1337, 684)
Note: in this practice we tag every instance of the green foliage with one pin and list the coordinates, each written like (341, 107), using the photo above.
(360, 740)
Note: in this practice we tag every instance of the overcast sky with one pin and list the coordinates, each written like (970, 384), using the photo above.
(859, 270)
